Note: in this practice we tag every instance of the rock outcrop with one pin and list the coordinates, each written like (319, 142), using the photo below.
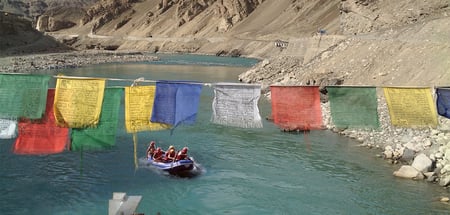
(47, 23)
(105, 11)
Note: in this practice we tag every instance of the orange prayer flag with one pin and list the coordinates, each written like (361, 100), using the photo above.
(41, 136)
(296, 107)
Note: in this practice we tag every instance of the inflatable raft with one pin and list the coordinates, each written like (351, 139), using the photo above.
(173, 167)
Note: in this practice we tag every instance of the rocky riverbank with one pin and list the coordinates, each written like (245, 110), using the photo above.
(33, 63)
(420, 153)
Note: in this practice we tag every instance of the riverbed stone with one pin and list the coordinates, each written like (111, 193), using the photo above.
(445, 169)
(408, 155)
(445, 180)
(447, 154)
(407, 171)
(388, 154)
(422, 163)
(427, 143)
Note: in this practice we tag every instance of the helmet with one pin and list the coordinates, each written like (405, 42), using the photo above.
(152, 143)
(184, 150)
(171, 147)
(158, 149)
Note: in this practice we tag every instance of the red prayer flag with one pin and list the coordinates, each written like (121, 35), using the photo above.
(41, 136)
(296, 107)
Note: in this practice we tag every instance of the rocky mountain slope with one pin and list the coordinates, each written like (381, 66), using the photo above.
(29, 40)
(18, 30)
(380, 43)
(323, 42)
(34, 8)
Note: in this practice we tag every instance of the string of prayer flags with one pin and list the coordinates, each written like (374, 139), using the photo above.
(104, 135)
(236, 105)
(443, 102)
(8, 129)
(138, 109)
(411, 107)
(41, 136)
(176, 102)
(353, 107)
(78, 102)
(23, 95)
(296, 107)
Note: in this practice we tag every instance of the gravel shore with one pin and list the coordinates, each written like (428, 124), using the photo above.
(36, 62)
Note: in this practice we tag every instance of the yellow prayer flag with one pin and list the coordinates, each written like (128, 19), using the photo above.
(138, 109)
(411, 107)
(78, 102)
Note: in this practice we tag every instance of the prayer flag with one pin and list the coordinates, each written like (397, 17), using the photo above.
(23, 95)
(176, 102)
(138, 109)
(78, 102)
(411, 107)
(41, 136)
(353, 107)
(104, 135)
(443, 101)
(296, 107)
(8, 129)
(236, 105)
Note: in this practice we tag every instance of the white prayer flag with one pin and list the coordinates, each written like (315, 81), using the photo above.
(8, 129)
(236, 105)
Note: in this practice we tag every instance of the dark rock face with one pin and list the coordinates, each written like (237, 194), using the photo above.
(17, 37)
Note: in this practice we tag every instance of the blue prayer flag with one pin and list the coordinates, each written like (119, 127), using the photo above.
(176, 102)
(443, 102)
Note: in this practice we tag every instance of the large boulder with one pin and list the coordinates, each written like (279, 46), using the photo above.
(422, 163)
(410, 172)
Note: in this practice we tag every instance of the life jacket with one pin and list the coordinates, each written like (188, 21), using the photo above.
(181, 155)
(158, 155)
(171, 154)
(150, 152)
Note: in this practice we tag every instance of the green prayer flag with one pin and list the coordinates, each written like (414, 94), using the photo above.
(353, 107)
(23, 95)
(104, 135)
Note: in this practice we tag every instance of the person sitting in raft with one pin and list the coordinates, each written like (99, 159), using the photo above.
(170, 154)
(158, 155)
(151, 150)
(182, 155)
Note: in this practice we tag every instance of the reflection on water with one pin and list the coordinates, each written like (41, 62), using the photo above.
(245, 171)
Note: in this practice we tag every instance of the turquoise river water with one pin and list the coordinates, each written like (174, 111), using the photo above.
(244, 171)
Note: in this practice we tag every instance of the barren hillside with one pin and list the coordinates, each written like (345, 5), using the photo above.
(30, 40)
(325, 41)
(34, 8)
(380, 43)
